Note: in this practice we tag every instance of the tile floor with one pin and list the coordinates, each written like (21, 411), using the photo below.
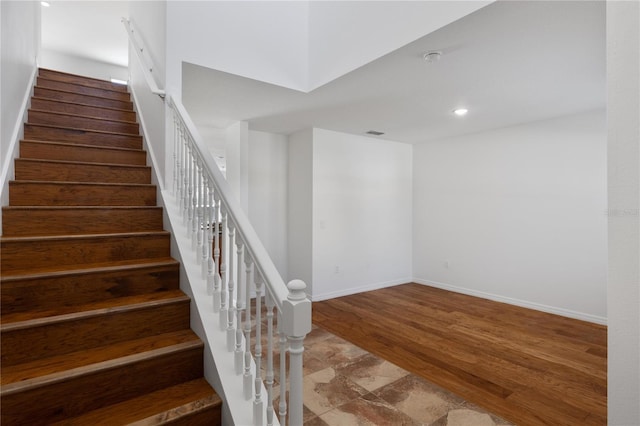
(345, 385)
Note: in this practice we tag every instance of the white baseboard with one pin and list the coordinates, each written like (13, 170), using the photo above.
(361, 289)
(517, 302)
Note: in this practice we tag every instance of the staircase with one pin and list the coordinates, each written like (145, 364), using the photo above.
(95, 329)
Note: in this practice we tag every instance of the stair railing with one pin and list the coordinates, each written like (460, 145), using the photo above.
(234, 265)
(147, 69)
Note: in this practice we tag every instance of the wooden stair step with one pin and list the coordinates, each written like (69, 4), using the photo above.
(25, 221)
(82, 89)
(81, 122)
(46, 193)
(82, 109)
(28, 336)
(69, 171)
(192, 403)
(38, 254)
(71, 393)
(82, 80)
(47, 132)
(62, 95)
(44, 291)
(47, 150)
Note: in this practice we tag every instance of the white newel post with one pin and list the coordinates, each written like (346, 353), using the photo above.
(297, 324)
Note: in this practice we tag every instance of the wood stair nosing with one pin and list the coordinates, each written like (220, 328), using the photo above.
(81, 122)
(47, 291)
(72, 171)
(61, 151)
(50, 193)
(112, 383)
(73, 220)
(82, 89)
(92, 111)
(46, 253)
(67, 96)
(54, 333)
(177, 405)
(82, 80)
(46, 132)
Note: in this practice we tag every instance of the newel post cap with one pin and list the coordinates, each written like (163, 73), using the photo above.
(296, 310)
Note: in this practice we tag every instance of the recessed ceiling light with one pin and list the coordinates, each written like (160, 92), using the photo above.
(45, 3)
(375, 133)
(460, 112)
(432, 56)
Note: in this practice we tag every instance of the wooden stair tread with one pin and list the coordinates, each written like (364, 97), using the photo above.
(91, 268)
(163, 406)
(102, 92)
(104, 132)
(38, 160)
(62, 183)
(21, 320)
(80, 145)
(86, 369)
(42, 368)
(92, 208)
(66, 114)
(51, 74)
(79, 103)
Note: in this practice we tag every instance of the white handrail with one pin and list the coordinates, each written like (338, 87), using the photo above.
(147, 71)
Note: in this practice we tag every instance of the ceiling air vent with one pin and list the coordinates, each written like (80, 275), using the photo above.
(374, 133)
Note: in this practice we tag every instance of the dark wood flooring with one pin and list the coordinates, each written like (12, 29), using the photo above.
(530, 367)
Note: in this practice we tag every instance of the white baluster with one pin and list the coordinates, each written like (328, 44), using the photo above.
(187, 206)
(297, 324)
(206, 226)
(269, 376)
(247, 378)
(282, 408)
(176, 166)
(212, 227)
(216, 255)
(240, 306)
(183, 172)
(257, 402)
(231, 334)
(224, 253)
(200, 207)
(194, 202)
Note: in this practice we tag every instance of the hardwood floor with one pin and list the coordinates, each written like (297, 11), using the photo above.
(530, 367)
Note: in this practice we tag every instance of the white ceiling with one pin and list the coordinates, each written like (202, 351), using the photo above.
(86, 29)
(510, 62)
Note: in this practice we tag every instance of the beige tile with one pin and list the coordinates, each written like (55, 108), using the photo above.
(325, 390)
(466, 417)
(372, 372)
(334, 351)
(367, 411)
(419, 399)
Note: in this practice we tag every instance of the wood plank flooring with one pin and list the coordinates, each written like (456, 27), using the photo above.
(530, 367)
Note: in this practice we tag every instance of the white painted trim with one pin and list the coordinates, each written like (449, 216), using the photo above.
(145, 143)
(361, 289)
(16, 135)
(517, 302)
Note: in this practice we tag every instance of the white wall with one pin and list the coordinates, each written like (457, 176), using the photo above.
(20, 45)
(362, 209)
(263, 40)
(82, 66)
(623, 115)
(518, 213)
(300, 207)
(237, 161)
(148, 20)
(268, 157)
(344, 35)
